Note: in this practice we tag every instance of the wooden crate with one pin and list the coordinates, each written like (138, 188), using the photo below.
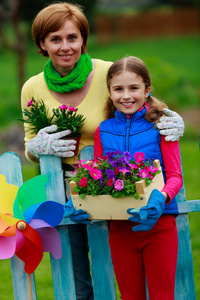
(105, 207)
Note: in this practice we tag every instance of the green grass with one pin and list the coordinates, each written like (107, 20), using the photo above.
(174, 64)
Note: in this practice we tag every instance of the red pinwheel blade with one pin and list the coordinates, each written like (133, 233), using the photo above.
(31, 252)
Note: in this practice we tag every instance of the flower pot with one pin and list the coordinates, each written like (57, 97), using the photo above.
(77, 139)
(105, 207)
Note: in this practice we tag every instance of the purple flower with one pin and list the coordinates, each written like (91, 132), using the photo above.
(110, 173)
(101, 181)
(118, 153)
(127, 157)
(110, 156)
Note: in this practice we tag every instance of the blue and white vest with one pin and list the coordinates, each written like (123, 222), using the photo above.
(135, 134)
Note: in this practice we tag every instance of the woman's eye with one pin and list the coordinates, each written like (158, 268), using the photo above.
(72, 38)
(55, 40)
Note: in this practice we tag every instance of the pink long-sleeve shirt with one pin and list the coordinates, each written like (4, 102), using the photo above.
(171, 159)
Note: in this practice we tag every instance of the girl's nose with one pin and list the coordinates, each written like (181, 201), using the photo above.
(126, 95)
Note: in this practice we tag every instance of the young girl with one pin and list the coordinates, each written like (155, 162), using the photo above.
(146, 245)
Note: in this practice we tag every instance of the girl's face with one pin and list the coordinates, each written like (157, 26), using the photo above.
(64, 47)
(127, 91)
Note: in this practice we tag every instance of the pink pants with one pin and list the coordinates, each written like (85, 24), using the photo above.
(151, 254)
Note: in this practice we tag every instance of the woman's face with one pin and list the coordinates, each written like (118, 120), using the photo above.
(64, 47)
(128, 92)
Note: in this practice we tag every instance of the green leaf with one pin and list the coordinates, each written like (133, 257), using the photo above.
(82, 196)
(76, 189)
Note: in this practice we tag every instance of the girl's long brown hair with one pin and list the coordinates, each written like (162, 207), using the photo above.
(134, 65)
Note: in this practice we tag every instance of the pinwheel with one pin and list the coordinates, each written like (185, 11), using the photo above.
(27, 222)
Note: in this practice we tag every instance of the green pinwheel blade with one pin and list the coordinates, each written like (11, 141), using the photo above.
(31, 192)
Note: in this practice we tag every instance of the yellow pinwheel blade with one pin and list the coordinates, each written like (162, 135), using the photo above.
(7, 196)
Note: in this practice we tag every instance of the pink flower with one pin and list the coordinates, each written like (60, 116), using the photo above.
(110, 182)
(152, 169)
(95, 173)
(29, 102)
(119, 184)
(71, 108)
(144, 173)
(150, 176)
(87, 167)
(63, 107)
(83, 182)
(133, 166)
(124, 170)
(139, 156)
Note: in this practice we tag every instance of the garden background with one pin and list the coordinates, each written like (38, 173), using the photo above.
(174, 63)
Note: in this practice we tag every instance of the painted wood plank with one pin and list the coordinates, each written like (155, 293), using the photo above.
(62, 269)
(101, 262)
(87, 153)
(189, 206)
(185, 286)
(11, 168)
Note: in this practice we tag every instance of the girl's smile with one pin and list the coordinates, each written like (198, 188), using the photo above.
(128, 92)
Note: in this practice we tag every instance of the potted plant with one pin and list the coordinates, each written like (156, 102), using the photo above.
(65, 117)
(107, 187)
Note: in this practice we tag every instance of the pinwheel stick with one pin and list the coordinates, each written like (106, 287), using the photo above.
(30, 294)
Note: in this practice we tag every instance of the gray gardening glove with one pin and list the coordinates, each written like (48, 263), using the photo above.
(171, 126)
(47, 142)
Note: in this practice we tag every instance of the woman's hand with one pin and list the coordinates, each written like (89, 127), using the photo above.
(171, 126)
(45, 143)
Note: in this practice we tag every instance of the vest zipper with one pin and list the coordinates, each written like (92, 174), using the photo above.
(127, 134)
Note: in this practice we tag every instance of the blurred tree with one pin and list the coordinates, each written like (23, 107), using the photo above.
(31, 7)
(10, 14)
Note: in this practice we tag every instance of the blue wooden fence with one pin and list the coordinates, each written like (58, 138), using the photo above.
(101, 263)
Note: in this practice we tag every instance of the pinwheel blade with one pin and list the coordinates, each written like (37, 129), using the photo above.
(31, 252)
(50, 237)
(29, 193)
(49, 211)
(7, 195)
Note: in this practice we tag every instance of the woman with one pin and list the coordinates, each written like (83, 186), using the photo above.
(70, 77)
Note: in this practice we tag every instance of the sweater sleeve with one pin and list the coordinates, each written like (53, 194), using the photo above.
(98, 149)
(172, 167)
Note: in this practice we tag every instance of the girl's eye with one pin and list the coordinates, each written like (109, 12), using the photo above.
(134, 88)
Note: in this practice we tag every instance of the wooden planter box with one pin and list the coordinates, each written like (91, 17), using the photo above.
(105, 207)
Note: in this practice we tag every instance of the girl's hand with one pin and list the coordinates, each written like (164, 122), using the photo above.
(171, 126)
(76, 216)
(147, 216)
(47, 142)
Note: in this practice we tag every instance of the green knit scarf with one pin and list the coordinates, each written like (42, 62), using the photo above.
(74, 81)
